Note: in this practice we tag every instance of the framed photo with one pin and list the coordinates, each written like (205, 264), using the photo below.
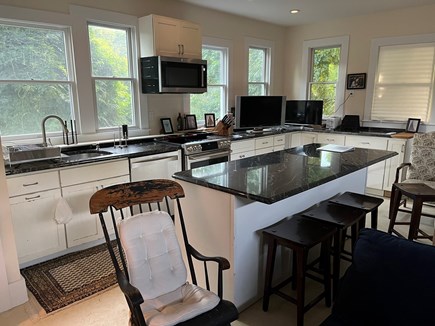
(356, 81)
(191, 121)
(412, 125)
(209, 120)
(166, 125)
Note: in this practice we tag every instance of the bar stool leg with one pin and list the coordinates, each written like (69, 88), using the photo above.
(394, 208)
(326, 266)
(301, 262)
(271, 252)
(336, 263)
(374, 218)
(415, 218)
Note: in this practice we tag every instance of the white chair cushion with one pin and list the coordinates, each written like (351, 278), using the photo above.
(156, 268)
(180, 305)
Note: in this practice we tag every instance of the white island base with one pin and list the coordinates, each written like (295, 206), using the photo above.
(222, 224)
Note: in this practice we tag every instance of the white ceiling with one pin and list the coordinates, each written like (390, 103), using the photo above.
(277, 11)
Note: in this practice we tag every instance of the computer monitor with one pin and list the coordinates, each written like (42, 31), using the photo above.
(259, 111)
(304, 112)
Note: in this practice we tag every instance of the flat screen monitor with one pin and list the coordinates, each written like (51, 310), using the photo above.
(259, 111)
(305, 112)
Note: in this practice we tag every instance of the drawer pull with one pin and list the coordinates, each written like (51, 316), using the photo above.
(34, 197)
(30, 184)
(242, 156)
(365, 143)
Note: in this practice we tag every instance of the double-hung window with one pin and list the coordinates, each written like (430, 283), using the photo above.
(36, 78)
(258, 70)
(216, 98)
(324, 62)
(112, 75)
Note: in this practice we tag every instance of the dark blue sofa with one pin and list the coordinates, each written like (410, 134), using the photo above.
(391, 282)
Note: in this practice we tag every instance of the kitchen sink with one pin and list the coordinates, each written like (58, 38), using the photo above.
(85, 154)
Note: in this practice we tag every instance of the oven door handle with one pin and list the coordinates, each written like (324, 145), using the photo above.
(200, 156)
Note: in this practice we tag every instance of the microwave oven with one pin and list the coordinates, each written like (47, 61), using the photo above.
(173, 75)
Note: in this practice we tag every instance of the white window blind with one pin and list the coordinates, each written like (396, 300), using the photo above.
(404, 82)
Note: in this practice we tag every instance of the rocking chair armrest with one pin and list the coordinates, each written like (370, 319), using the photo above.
(222, 262)
(130, 291)
(399, 168)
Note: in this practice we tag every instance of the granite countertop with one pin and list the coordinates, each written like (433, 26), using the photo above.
(278, 175)
(363, 131)
(134, 149)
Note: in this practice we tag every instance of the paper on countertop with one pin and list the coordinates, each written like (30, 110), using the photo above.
(336, 148)
(63, 213)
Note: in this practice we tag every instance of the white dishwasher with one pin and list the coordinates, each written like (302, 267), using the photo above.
(157, 166)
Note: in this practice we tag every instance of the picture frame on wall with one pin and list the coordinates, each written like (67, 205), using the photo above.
(166, 125)
(356, 81)
(209, 119)
(191, 121)
(412, 125)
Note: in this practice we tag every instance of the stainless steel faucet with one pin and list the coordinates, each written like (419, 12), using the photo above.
(44, 134)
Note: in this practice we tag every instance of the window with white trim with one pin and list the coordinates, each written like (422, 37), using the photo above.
(324, 65)
(258, 70)
(404, 81)
(36, 78)
(112, 75)
(216, 98)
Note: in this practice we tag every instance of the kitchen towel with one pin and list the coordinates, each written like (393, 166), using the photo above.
(63, 213)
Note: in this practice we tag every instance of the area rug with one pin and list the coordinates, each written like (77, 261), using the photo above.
(70, 278)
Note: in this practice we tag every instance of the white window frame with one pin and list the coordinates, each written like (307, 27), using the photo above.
(227, 47)
(374, 53)
(132, 78)
(268, 46)
(307, 49)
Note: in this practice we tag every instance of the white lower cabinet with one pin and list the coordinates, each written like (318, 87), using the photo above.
(375, 173)
(301, 138)
(36, 232)
(33, 200)
(399, 146)
(327, 138)
(242, 149)
(85, 227)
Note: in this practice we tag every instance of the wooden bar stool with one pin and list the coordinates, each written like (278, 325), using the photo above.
(369, 204)
(299, 234)
(341, 217)
(419, 193)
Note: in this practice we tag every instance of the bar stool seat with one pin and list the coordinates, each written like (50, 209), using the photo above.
(341, 217)
(367, 203)
(299, 234)
(419, 193)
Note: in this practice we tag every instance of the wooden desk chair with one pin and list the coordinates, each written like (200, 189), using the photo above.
(151, 271)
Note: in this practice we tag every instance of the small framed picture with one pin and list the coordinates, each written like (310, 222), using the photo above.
(209, 120)
(167, 125)
(356, 81)
(191, 121)
(412, 125)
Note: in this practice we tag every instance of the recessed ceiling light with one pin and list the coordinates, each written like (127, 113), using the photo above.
(294, 11)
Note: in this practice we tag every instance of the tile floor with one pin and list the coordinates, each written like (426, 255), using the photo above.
(110, 308)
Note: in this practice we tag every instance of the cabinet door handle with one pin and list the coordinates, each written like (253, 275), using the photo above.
(182, 49)
(34, 197)
(30, 184)
(179, 48)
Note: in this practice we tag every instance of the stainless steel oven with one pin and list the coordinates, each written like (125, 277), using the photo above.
(206, 158)
(200, 149)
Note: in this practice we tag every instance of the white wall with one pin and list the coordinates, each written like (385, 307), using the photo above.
(362, 30)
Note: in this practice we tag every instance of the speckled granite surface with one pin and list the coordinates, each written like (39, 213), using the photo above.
(275, 176)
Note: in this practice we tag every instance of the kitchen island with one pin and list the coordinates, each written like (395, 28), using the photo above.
(228, 204)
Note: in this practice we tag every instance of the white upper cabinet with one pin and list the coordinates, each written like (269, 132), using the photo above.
(169, 37)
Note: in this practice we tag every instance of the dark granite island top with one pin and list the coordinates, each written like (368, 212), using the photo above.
(278, 175)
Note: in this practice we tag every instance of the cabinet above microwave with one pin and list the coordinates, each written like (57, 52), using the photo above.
(165, 36)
